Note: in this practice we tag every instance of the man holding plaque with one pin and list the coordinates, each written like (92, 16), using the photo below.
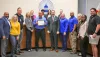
(40, 23)
(53, 29)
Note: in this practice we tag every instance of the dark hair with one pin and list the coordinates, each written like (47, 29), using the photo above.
(93, 9)
(18, 8)
(42, 10)
(85, 16)
(49, 12)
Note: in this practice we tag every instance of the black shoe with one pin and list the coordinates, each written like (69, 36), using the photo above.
(21, 52)
(36, 50)
(44, 49)
(18, 54)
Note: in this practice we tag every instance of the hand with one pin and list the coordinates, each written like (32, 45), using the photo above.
(31, 30)
(64, 33)
(94, 35)
(48, 31)
(4, 37)
(44, 23)
(37, 23)
(57, 32)
(17, 38)
(78, 36)
(72, 32)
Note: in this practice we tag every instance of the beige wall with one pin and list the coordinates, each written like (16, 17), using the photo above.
(27, 5)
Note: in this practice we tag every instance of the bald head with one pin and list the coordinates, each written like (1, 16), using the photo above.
(6, 14)
(62, 15)
(71, 14)
(40, 14)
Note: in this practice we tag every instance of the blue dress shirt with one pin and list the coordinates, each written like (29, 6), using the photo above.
(72, 21)
(36, 25)
(63, 25)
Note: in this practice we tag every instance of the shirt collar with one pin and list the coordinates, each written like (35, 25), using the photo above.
(72, 17)
(5, 17)
(94, 15)
(40, 18)
(17, 14)
(62, 18)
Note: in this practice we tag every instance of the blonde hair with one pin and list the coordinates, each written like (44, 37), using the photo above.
(79, 14)
(28, 15)
(12, 20)
(31, 12)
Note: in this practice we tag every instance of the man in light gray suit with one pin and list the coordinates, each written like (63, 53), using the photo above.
(53, 29)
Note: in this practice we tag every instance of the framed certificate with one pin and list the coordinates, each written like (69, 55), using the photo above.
(40, 22)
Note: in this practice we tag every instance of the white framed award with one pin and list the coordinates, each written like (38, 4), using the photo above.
(41, 22)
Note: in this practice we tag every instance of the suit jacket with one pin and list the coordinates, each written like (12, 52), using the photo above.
(29, 24)
(82, 30)
(53, 25)
(4, 27)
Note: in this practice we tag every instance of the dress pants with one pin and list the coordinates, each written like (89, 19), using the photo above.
(63, 40)
(3, 46)
(14, 41)
(84, 46)
(40, 33)
(28, 39)
(54, 40)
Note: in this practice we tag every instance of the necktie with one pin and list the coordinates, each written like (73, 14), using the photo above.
(52, 18)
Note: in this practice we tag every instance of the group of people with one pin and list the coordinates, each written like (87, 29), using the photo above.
(72, 28)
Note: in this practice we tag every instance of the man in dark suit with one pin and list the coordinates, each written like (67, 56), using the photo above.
(4, 33)
(53, 29)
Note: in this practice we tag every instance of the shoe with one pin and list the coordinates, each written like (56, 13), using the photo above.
(36, 50)
(21, 52)
(17, 53)
(63, 50)
(56, 50)
(79, 54)
(29, 50)
(51, 49)
(70, 50)
(44, 49)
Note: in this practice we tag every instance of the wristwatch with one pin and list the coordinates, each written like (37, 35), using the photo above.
(95, 32)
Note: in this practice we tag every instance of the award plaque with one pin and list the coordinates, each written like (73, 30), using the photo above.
(41, 22)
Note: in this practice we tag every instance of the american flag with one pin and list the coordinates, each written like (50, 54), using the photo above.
(98, 9)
